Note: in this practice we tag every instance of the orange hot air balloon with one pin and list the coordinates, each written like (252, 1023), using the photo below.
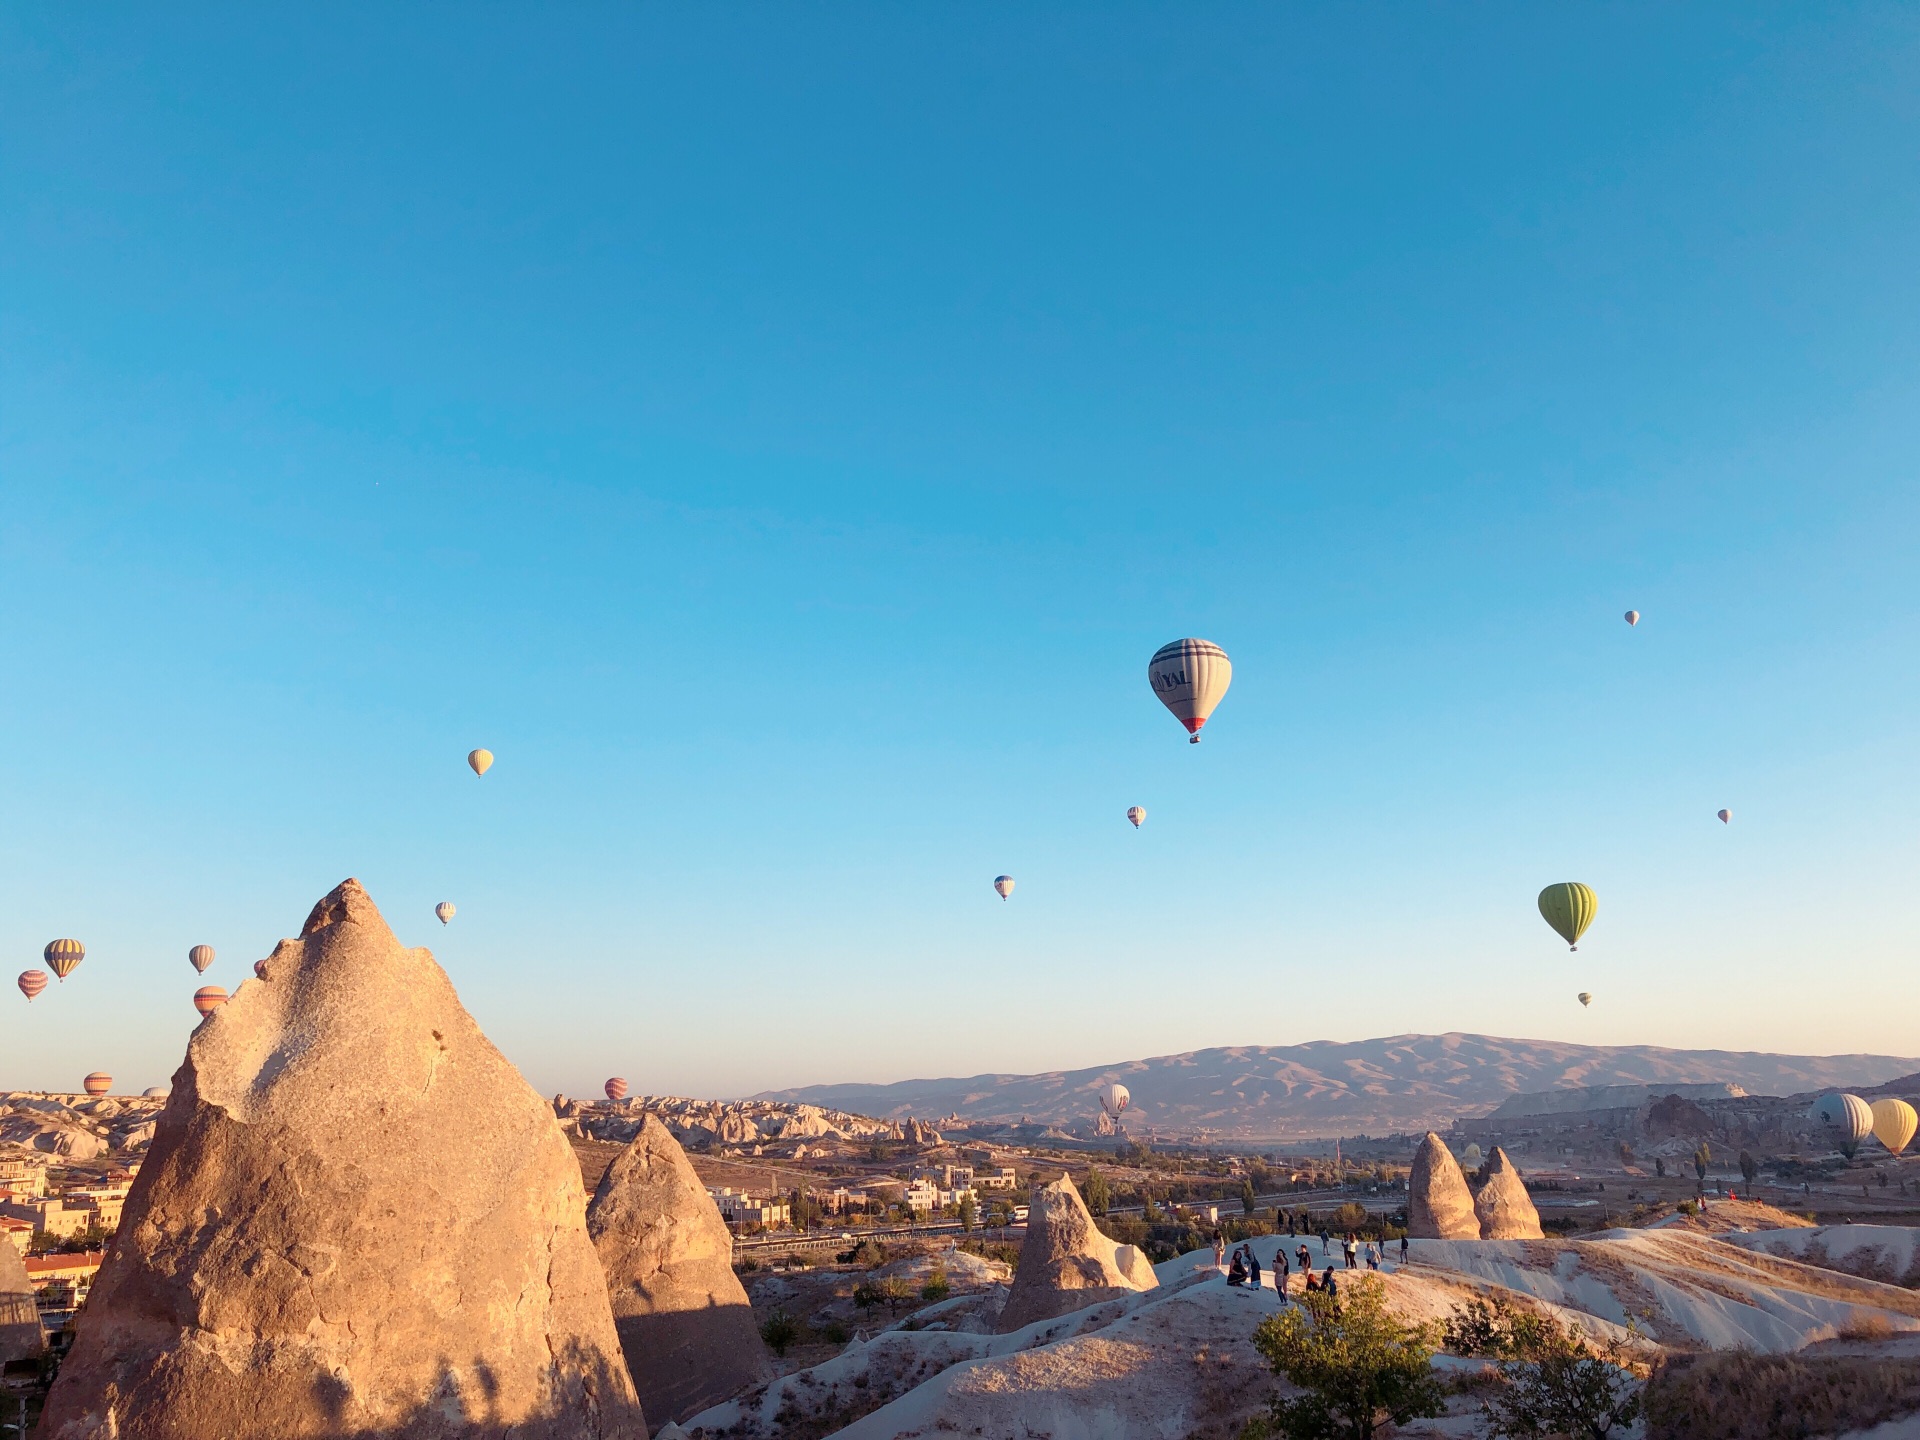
(616, 1088)
(98, 1083)
(209, 998)
(480, 760)
(63, 955)
(32, 982)
(200, 957)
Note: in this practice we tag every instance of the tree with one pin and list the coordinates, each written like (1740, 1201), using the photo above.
(1249, 1201)
(1570, 1391)
(1096, 1193)
(780, 1331)
(1700, 1159)
(937, 1288)
(1147, 1212)
(1749, 1168)
(968, 1211)
(1660, 1167)
(1358, 1365)
(1626, 1152)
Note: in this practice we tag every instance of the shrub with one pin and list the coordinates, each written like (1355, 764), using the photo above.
(1357, 1364)
(835, 1332)
(1733, 1395)
(937, 1288)
(780, 1331)
(1558, 1385)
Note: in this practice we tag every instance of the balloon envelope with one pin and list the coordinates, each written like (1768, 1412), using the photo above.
(1136, 813)
(260, 968)
(63, 955)
(1004, 884)
(1633, 617)
(1847, 1116)
(1114, 1099)
(200, 957)
(1190, 677)
(209, 998)
(480, 760)
(616, 1088)
(1586, 998)
(1569, 908)
(98, 1083)
(445, 911)
(1894, 1122)
(1726, 816)
(32, 982)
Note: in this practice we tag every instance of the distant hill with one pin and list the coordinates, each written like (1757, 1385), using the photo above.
(1404, 1082)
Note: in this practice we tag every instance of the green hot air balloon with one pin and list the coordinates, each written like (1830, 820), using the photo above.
(1569, 908)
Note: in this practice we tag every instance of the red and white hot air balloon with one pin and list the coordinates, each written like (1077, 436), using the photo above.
(98, 1083)
(1114, 1099)
(1726, 817)
(200, 957)
(32, 982)
(1633, 617)
(1190, 677)
(209, 998)
(1136, 813)
(616, 1088)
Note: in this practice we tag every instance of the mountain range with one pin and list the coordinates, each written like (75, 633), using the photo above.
(1328, 1088)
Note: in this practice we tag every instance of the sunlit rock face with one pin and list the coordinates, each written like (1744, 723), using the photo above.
(356, 1219)
(1439, 1205)
(1066, 1263)
(1501, 1203)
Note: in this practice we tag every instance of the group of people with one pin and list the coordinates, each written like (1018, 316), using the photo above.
(1244, 1267)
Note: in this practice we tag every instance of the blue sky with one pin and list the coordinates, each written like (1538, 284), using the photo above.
(782, 434)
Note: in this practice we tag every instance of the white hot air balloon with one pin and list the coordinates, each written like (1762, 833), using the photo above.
(446, 912)
(1136, 813)
(1190, 677)
(1114, 1099)
(1003, 884)
(1847, 1118)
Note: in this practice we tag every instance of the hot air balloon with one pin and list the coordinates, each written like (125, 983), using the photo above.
(98, 1083)
(209, 998)
(1726, 817)
(200, 957)
(1633, 617)
(1585, 997)
(616, 1088)
(154, 1092)
(1472, 1155)
(1190, 677)
(480, 760)
(1004, 884)
(1894, 1122)
(1848, 1118)
(1114, 1099)
(1136, 813)
(63, 955)
(32, 982)
(445, 911)
(260, 968)
(1569, 908)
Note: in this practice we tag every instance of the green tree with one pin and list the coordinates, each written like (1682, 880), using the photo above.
(1566, 1390)
(780, 1331)
(1359, 1366)
(1095, 1192)
(937, 1288)
(1749, 1168)
(895, 1290)
(1249, 1201)
(1700, 1159)
(968, 1212)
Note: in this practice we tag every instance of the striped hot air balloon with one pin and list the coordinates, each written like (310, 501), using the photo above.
(1846, 1118)
(209, 998)
(445, 911)
(63, 955)
(1569, 908)
(1004, 885)
(200, 957)
(32, 982)
(98, 1083)
(480, 760)
(1114, 1099)
(1894, 1123)
(616, 1088)
(1190, 677)
(1137, 813)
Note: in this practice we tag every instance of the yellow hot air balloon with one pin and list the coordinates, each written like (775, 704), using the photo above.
(63, 955)
(1894, 1122)
(1136, 813)
(480, 760)
(1569, 908)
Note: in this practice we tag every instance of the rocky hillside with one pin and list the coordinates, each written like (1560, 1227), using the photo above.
(1277, 1092)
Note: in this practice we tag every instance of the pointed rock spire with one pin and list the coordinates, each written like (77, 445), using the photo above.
(356, 1219)
(1066, 1264)
(21, 1337)
(1439, 1205)
(684, 1322)
(1501, 1203)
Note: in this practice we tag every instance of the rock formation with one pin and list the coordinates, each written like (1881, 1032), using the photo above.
(21, 1337)
(1439, 1205)
(356, 1220)
(1501, 1202)
(1066, 1264)
(684, 1323)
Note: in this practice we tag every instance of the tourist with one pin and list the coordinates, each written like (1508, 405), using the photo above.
(1237, 1275)
(1305, 1259)
(1352, 1250)
(1253, 1268)
(1373, 1256)
(1219, 1250)
(1327, 1287)
(1403, 1249)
